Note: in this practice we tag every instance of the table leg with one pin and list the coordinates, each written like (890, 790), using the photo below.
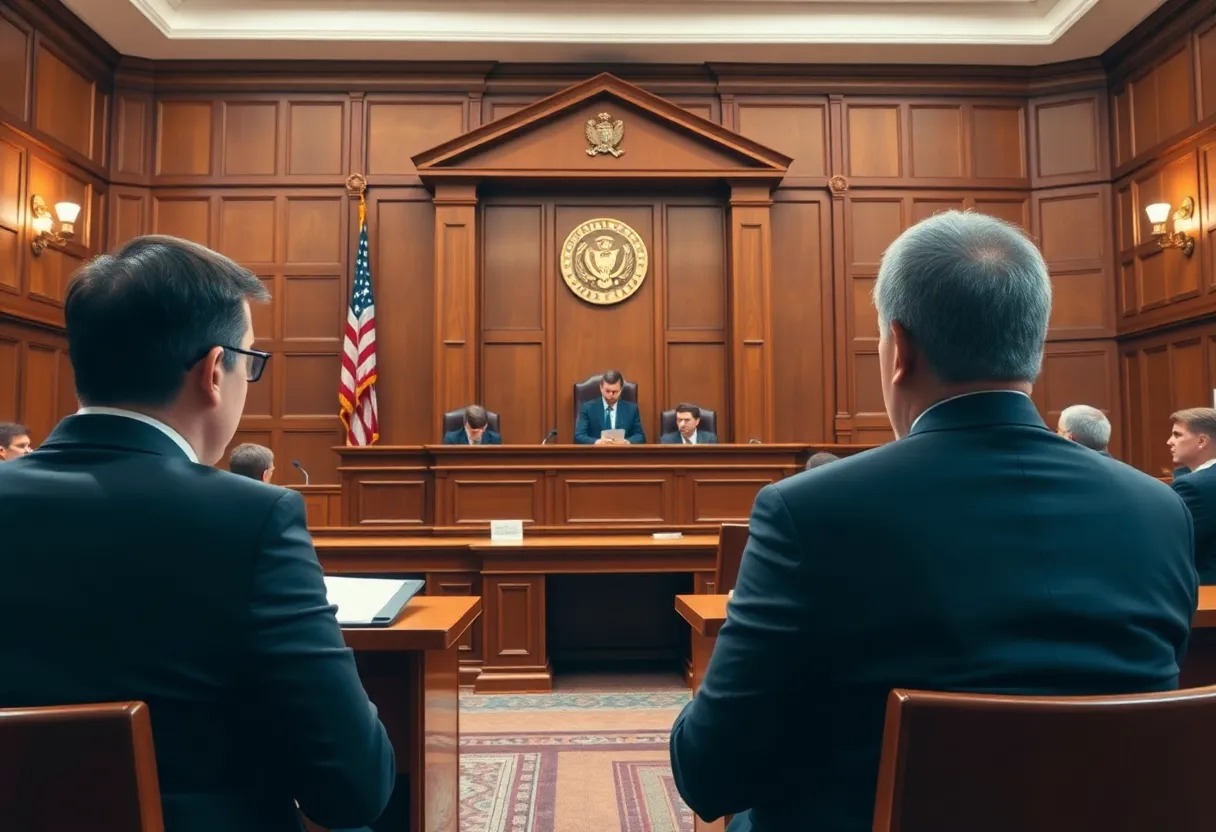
(515, 651)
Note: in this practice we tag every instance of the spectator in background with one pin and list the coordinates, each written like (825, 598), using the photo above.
(14, 441)
(253, 461)
(1085, 425)
(821, 458)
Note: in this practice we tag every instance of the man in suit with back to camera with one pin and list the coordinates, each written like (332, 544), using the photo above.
(1085, 425)
(688, 432)
(475, 431)
(141, 572)
(1192, 443)
(980, 552)
(609, 412)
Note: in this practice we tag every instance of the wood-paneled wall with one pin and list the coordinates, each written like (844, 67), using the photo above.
(252, 160)
(55, 85)
(1163, 109)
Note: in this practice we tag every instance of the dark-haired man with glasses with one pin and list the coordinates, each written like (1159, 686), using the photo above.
(141, 572)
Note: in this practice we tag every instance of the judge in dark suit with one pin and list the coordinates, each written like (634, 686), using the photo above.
(979, 552)
(688, 432)
(1085, 425)
(141, 572)
(475, 431)
(609, 412)
(1193, 445)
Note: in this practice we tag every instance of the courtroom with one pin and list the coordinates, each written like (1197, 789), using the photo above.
(734, 416)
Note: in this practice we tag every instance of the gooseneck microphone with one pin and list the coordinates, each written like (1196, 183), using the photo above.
(549, 436)
(296, 463)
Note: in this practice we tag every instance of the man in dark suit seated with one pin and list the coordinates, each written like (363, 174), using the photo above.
(1193, 445)
(687, 432)
(1085, 425)
(609, 412)
(141, 572)
(476, 429)
(979, 552)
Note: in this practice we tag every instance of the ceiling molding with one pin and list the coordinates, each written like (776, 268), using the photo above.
(1010, 32)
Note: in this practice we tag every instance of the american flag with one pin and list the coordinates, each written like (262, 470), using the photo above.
(357, 390)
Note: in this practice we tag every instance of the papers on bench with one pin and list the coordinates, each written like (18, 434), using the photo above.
(613, 433)
(370, 602)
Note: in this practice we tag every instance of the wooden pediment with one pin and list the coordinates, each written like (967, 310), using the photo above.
(550, 140)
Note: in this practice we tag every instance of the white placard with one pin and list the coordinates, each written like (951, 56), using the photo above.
(506, 531)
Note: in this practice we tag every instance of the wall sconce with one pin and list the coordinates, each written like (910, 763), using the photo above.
(42, 222)
(1159, 214)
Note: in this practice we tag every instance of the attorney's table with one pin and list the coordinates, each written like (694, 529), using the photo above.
(507, 649)
(705, 614)
(1199, 663)
(410, 671)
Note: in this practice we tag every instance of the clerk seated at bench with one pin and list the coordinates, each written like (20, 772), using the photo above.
(475, 430)
(688, 428)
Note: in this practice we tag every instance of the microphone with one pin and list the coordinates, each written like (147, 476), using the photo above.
(296, 463)
(549, 436)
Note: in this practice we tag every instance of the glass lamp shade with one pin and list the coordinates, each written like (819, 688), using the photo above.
(42, 225)
(69, 211)
(1158, 212)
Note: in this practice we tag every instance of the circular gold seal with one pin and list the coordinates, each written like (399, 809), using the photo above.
(604, 261)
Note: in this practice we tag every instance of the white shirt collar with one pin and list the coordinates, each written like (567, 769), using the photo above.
(1207, 464)
(147, 420)
(692, 440)
(959, 396)
(604, 402)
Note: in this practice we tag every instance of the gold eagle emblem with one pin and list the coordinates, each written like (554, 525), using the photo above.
(605, 135)
(604, 261)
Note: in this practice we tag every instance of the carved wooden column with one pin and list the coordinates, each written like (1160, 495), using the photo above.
(455, 299)
(751, 266)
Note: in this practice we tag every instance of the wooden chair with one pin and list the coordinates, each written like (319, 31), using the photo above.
(709, 422)
(79, 767)
(732, 540)
(589, 390)
(454, 420)
(963, 763)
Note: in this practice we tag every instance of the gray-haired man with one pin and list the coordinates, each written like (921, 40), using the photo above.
(980, 552)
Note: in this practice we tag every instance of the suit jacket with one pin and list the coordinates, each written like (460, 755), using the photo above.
(981, 553)
(459, 437)
(704, 437)
(1198, 490)
(591, 422)
(137, 574)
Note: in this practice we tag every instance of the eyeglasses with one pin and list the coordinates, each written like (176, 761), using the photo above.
(253, 367)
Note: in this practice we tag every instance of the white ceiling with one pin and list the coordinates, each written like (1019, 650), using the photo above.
(1013, 32)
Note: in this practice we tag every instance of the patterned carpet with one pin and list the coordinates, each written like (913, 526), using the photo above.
(570, 761)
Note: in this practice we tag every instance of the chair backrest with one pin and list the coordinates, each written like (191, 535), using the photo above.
(709, 421)
(961, 763)
(454, 420)
(732, 540)
(585, 391)
(79, 767)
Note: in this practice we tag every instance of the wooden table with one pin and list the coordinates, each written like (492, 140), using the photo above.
(705, 614)
(1199, 663)
(410, 671)
(562, 485)
(515, 655)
